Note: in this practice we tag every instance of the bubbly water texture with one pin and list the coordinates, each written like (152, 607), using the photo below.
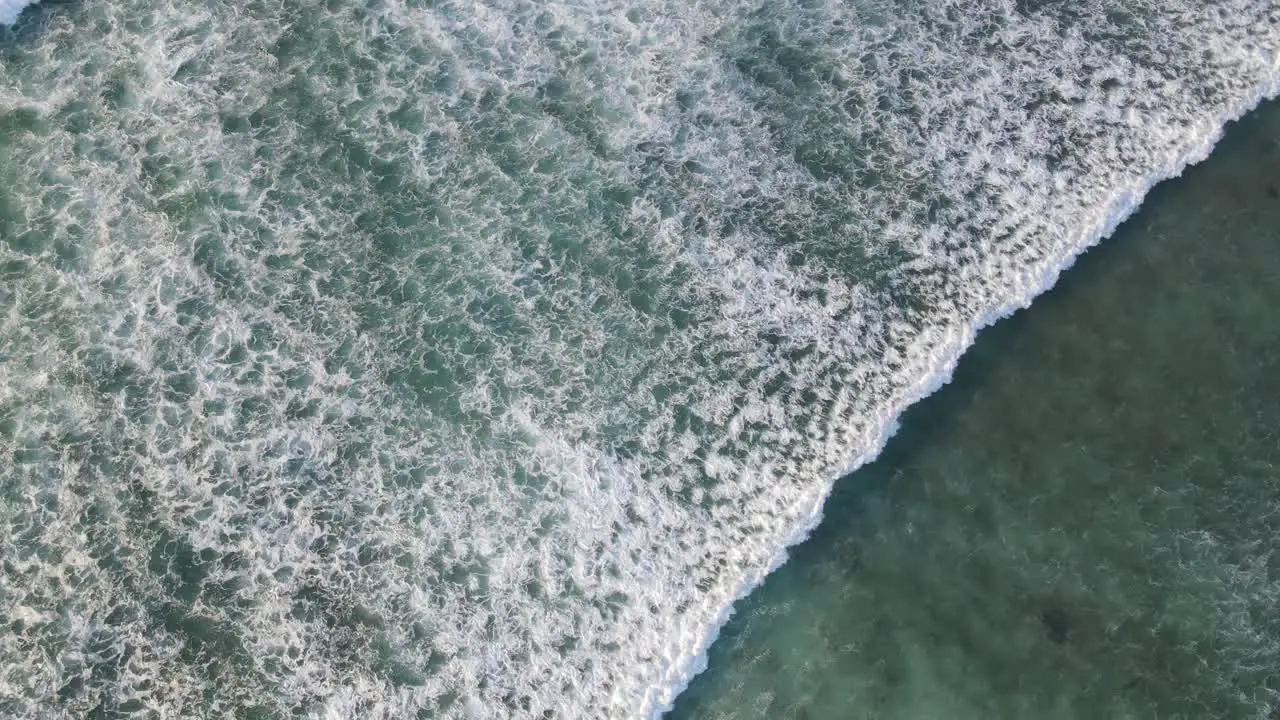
(435, 359)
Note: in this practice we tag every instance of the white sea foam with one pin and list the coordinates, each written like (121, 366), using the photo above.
(472, 359)
(1126, 202)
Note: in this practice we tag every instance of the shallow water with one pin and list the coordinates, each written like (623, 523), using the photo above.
(1085, 523)
(444, 359)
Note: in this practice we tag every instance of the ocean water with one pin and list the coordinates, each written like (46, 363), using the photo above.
(431, 359)
(11, 10)
(1085, 523)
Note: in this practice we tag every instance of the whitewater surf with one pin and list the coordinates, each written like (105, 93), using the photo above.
(469, 359)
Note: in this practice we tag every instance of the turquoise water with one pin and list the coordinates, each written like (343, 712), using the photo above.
(1085, 523)
(433, 359)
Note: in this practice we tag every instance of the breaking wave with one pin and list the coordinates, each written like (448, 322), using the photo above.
(471, 359)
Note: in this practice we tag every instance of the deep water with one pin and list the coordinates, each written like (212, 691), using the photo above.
(1085, 523)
